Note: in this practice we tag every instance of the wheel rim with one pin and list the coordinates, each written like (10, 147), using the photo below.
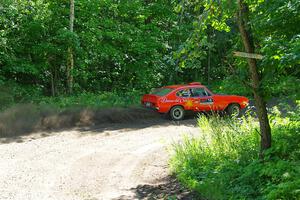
(235, 111)
(177, 113)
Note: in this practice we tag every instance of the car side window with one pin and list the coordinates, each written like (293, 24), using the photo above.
(184, 93)
(199, 92)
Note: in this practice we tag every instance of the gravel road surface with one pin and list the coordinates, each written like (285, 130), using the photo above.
(114, 161)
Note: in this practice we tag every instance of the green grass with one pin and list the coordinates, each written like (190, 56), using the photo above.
(91, 100)
(222, 162)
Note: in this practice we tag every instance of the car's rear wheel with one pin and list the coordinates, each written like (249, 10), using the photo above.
(177, 113)
(234, 110)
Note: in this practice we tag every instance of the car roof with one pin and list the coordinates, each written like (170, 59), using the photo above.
(182, 86)
(174, 86)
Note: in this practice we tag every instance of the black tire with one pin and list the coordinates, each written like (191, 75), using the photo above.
(234, 110)
(177, 113)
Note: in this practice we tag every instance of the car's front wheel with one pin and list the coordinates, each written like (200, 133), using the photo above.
(177, 113)
(234, 110)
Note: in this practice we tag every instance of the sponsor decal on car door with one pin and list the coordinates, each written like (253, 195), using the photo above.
(203, 101)
(186, 99)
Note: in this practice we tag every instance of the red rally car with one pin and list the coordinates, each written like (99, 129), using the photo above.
(176, 99)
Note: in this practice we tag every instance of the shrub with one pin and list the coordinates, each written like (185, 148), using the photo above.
(12, 93)
(230, 85)
(285, 86)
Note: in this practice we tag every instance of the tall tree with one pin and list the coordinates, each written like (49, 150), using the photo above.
(70, 61)
(245, 31)
(221, 15)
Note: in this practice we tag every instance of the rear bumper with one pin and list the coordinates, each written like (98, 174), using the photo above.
(151, 107)
(156, 106)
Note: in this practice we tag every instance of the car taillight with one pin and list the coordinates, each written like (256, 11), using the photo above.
(245, 103)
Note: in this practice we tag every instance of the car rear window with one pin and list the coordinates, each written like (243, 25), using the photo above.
(161, 91)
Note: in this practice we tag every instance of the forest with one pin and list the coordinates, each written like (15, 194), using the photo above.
(107, 53)
(138, 45)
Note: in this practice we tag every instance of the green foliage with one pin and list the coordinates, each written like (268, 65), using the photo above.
(285, 86)
(12, 93)
(222, 162)
(230, 85)
(117, 46)
(135, 45)
(274, 31)
(280, 87)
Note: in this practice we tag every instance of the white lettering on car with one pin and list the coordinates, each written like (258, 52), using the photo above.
(165, 100)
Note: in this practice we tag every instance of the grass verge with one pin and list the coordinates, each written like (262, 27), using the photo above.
(222, 162)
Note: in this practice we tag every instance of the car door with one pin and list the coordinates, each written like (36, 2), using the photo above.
(185, 98)
(202, 99)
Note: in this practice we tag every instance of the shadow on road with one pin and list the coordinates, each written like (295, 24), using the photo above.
(158, 121)
(170, 188)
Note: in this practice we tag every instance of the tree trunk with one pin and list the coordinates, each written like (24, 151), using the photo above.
(208, 66)
(260, 104)
(52, 84)
(70, 61)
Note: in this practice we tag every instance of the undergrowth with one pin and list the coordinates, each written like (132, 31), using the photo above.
(222, 162)
(278, 87)
(94, 100)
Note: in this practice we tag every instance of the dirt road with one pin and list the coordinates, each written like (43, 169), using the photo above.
(102, 163)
